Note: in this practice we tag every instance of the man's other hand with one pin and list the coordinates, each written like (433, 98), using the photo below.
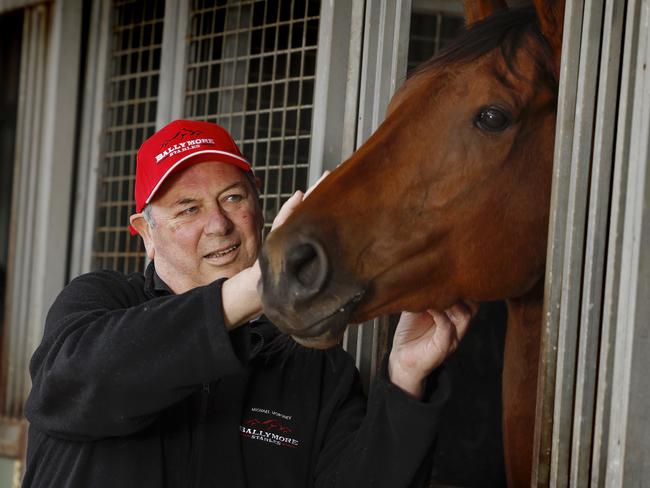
(422, 342)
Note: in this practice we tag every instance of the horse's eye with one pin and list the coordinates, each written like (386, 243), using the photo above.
(492, 119)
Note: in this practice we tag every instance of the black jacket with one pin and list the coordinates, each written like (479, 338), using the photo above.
(134, 386)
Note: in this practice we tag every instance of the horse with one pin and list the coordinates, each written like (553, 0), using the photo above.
(448, 200)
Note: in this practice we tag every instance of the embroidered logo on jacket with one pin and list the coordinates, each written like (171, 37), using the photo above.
(272, 431)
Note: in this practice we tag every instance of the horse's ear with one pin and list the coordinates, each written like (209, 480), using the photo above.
(476, 10)
(551, 22)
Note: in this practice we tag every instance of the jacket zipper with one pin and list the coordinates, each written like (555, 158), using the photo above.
(197, 458)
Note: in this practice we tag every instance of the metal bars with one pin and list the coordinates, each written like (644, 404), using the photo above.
(572, 272)
(336, 94)
(91, 132)
(251, 68)
(130, 117)
(385, 51)
(556, 245)
(172, 63)
(629, 424)
(623, 13)
(596, 234)
(383, 68)
(598, 276)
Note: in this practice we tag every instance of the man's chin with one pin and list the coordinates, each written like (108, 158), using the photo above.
(214, 272)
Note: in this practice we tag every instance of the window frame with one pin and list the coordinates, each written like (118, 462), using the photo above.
(42, 192)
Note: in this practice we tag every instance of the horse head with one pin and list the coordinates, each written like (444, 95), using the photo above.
(448, 199)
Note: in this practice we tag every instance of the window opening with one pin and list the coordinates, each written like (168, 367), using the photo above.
(430, 32)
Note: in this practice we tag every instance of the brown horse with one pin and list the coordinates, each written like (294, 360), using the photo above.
(448, 200)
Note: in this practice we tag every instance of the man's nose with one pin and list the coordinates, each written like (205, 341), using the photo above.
(217, 222)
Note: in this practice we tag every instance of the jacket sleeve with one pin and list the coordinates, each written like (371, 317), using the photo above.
(389, 444)
(110, 360)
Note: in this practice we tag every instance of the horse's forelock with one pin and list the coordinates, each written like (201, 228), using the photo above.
(506, 31)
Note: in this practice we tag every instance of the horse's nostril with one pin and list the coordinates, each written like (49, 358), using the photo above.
(303, 264)
(307, 267)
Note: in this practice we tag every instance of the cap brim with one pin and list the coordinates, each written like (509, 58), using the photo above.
(201, 157)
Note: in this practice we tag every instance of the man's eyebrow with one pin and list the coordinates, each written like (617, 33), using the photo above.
(236, 184)
(187, 200)
(184, 201)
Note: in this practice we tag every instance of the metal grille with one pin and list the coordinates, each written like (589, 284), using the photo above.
(430, 32)
(131, 94)
(251, 68)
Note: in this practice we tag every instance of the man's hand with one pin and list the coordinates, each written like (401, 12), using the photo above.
(287, 209)
(422, 342)
(293, 202)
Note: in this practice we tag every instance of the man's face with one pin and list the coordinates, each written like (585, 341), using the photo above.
(207, 225)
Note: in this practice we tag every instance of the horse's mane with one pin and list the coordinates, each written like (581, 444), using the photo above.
(505, 30)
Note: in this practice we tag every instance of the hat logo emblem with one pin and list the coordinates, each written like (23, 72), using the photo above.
(181, 134)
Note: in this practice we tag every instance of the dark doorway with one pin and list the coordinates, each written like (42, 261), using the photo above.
(10, 45)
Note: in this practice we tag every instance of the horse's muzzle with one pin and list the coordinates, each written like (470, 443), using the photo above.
(298, 292)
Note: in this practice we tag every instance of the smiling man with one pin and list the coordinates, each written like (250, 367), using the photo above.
(205, 224)
(172, 378)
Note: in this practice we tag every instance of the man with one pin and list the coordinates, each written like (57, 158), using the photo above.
(163, 380)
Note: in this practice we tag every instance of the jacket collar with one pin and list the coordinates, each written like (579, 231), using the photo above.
(153, 284)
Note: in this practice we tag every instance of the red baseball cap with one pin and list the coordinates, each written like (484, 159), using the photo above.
(177, 145)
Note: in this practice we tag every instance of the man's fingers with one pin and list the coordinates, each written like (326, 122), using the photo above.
(445, 332)
(439, 318)
(322, 177)
(295, 200)
(287, 209)
(460, 315)
(291, 204)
